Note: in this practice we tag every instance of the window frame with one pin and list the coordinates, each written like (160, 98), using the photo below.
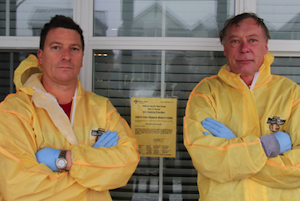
(83, 12)
(83, 15)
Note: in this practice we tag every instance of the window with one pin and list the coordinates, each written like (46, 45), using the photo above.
(27, 17)
(150, 18)
(148, 48)
(288, 67)
(281, 17)
(122, 74)
(9, 62)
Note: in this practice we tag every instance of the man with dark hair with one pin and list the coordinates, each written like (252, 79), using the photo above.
(241, 126)
(60, 21)
(58, 141)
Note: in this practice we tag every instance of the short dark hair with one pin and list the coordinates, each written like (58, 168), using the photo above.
(238, 18)
(62, 22)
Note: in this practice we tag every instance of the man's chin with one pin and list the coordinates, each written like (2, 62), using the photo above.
(246, 70)
(66, 79)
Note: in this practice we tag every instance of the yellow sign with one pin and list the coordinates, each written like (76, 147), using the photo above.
(153, 123)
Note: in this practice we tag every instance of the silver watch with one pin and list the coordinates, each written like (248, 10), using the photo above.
(61, 162)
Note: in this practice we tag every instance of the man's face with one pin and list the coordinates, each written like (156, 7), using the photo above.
(245, 46)
(61, 57)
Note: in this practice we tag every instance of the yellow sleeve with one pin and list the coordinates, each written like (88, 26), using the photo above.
(283, 171)
(214, 157)
(106, 168)
(21, 176)
(93, 171)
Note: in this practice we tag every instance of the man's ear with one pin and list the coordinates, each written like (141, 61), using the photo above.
(267, 48)
(40, 56)
(82, 60)
(224, 51)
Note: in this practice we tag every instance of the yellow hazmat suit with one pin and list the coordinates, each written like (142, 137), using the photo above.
(238, 169)
(32, 120)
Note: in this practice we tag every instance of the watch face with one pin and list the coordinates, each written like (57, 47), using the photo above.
(61, 163)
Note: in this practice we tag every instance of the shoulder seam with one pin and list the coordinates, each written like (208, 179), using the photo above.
(17, 114)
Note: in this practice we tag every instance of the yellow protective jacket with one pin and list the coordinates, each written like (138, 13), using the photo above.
(238, 169)
(30, 121)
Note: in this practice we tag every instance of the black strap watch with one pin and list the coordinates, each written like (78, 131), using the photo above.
(61, 162)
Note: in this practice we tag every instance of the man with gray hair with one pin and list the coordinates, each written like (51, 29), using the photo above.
(241, 126)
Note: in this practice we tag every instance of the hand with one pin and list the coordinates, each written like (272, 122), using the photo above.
(48, 156)
(108, 139)
(217, 129)
(284, 141)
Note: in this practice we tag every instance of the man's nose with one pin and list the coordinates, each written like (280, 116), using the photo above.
(66, 54)
(244, 47)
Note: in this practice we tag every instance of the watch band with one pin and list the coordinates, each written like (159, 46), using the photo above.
(63, 154)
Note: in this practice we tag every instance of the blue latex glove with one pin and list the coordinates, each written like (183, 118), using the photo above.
(48, 156)
(217, 129)
(108, 139)
(284, 141)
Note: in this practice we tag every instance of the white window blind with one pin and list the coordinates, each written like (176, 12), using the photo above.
(122, 74)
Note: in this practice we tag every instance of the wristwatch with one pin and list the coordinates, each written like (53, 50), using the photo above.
(61, 162)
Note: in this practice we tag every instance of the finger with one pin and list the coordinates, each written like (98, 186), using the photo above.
(104, 135)
(210, 127)
(112, 142)
(108, 138)
(115, 143)
(206, 133)
(212, 131)
(210, 124)
(99, 142)
(38, 156)
(215, 122)
(115, 132)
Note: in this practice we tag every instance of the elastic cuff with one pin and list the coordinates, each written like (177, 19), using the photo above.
(270, 145)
